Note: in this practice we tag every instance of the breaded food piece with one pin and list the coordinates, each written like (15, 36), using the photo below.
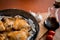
(2, 36)
(18, 35)
(20, 23)
(2, 28)
(8, 22)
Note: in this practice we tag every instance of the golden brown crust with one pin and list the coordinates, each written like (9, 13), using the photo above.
(18, 35)
(2, 28)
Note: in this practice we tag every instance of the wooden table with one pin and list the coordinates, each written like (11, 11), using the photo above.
(43, 30)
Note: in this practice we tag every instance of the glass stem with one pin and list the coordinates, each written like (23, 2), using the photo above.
(56, 14)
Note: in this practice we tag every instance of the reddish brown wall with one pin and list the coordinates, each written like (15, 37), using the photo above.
(34, 5)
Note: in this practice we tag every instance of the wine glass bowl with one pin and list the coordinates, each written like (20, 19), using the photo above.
(51, 23)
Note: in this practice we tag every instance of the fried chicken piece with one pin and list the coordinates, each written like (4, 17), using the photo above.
(20, 23)
(2, 28)
(8, 22)
(2, 36)
(18, 35)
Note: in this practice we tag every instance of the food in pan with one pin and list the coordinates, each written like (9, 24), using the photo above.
(16, 28)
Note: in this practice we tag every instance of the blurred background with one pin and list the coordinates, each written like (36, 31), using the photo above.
(33, 5)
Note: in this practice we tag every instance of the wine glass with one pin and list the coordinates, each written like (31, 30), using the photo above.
(52, 22)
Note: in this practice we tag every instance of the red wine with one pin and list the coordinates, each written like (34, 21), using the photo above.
(51, 23)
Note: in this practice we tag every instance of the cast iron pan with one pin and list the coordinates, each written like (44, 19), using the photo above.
(27, 15)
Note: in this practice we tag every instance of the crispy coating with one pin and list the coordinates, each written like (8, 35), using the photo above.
(18, 35)
(20, 23)
(2, 28)
(2, 36)
(8, 22)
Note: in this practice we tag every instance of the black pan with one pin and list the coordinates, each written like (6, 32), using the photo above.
(27, 15)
